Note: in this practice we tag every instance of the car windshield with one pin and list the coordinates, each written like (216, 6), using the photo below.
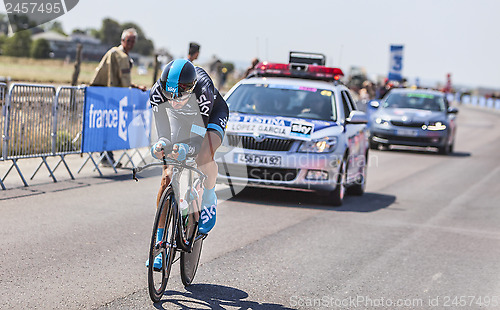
(283, 100)
(414, 101)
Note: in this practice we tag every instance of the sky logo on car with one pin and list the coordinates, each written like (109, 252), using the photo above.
(26, 14)
(301, 130)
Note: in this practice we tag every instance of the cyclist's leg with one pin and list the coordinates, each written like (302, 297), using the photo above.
(173, 127)
(165, 180)
(212, 140)
(208, 166)
(206, 163)
(205, 159)
(163, 127)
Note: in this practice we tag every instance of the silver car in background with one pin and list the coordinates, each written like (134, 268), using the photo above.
(413, 117)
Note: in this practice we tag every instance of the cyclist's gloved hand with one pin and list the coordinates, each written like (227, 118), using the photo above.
(182, 150)
(156, 149)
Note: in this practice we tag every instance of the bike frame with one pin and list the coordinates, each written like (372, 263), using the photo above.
(178, 168)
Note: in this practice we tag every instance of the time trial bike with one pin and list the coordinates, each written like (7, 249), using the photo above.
(179, 213)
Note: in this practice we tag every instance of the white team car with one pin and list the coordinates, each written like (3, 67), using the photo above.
(294, 126)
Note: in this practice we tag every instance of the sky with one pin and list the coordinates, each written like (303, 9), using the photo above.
(459, 37)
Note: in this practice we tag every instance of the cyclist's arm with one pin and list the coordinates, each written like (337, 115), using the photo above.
(157, 101)
(218, 116)
(215, 122)
(204, 91)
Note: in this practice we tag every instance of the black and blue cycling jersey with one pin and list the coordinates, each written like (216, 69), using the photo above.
(205, 110)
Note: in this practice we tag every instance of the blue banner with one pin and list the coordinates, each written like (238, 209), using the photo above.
(396, 63)
(116, 118)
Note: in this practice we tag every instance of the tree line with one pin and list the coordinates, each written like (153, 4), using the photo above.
(111, 31)
(21, 44)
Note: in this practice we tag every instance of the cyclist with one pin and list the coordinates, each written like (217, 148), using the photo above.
(191, 114)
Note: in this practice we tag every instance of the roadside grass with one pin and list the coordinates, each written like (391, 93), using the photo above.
(56, 71)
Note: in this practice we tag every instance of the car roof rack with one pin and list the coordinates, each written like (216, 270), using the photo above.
(301, 65)
(307, 58)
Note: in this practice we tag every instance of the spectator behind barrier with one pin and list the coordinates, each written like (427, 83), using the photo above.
(114, 70)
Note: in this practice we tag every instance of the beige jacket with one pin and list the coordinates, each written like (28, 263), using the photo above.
(114, 69)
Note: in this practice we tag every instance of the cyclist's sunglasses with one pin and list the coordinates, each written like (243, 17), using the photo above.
(180, 98)
(185, 91)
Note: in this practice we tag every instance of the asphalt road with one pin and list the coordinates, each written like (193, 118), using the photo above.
(425, 235)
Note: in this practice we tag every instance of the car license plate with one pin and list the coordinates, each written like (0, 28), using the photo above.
(270, 160)
(407, 132)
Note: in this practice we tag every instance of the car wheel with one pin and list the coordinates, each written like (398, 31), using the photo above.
(358, 188)
(444, 150)
(447, 148)
(336, 197)
(451, 147)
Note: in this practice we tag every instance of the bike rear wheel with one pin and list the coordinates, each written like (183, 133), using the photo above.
(189, 263)
(157, 279)
(188, 232)
(188, 223)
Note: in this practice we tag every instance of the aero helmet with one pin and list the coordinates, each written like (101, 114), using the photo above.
(178, 79)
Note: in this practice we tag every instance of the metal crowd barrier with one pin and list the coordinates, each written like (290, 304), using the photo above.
(28, 125)
(484, 102)
(3, 92)
(3, 96)
(38, 121)
(67, 113)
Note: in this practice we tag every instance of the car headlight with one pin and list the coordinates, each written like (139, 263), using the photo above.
(381, 121)
(434, 126)
(323, 145)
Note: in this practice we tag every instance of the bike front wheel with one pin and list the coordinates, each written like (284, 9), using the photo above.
(158, 278)
(189, 262)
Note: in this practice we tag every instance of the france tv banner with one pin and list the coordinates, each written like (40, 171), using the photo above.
(396, 63)
(116, 118)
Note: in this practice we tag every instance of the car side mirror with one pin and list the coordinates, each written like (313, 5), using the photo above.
(357, 117)
(452, 110)
(374, 104)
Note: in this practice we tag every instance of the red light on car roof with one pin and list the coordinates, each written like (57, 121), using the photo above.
(303, 71)
(327, 71)
(273, 66)
(338, 71)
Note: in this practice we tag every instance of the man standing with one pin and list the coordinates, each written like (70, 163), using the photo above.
(114, 70)
(116, 65)
(194, 51)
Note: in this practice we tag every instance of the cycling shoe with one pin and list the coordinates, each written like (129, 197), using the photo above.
(208, 211)
(157, 264)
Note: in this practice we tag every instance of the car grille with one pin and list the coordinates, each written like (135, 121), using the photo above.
(259, 173)
(268, 144)
(407, 124)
